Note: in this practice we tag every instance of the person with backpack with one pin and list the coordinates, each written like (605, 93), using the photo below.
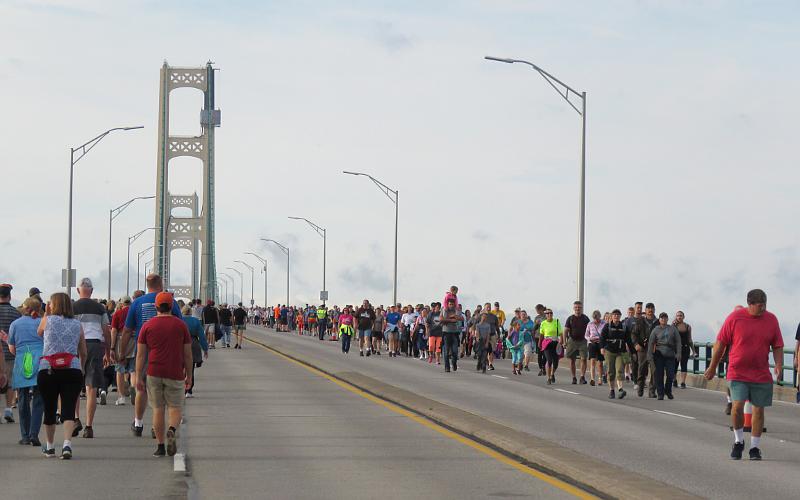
(199, 343)
(435, 333)
(26, 345)
(614, 344)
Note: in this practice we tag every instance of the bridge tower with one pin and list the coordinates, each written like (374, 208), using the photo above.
(194, 233)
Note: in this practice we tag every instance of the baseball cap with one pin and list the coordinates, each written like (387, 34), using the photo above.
(163, 298)
(85, 283)
(34, 291)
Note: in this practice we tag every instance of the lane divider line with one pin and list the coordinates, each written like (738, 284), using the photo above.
(568, 392)
(675, 414)
(500, 376)
(557, 483)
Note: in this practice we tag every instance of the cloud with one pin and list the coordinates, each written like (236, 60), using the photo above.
(787, 273)
(481, 235)
(366, 276)
(391, 39)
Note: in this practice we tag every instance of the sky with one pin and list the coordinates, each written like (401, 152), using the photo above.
(691, 171)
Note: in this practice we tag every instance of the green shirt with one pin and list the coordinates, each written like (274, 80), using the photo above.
(550, 329)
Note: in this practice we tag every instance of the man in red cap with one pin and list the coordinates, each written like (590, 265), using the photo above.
(165, 342)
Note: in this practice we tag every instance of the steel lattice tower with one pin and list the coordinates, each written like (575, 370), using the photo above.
(197, 230)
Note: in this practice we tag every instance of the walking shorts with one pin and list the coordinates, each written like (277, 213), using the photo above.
(757, 393)
(165, 391)
(576, 348)
(93, 369)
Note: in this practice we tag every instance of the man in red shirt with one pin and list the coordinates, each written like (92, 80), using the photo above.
(165, 342)
(748, 334)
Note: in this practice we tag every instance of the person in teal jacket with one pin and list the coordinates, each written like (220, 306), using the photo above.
(526, 327)
(514, 343)
(27, 345)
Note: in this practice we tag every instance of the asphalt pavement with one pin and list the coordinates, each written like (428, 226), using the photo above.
(684, 442)
(262, 426)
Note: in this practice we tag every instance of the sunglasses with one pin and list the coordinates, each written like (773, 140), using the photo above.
(548, 313)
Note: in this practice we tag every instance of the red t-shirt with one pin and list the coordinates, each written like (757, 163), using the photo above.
(165, 337)
(750, 338)
(118, 318)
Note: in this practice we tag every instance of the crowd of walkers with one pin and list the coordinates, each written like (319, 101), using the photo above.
(59, 352)
(642, 347)
(147, 347)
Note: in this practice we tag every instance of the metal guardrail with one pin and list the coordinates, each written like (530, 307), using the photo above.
(703, 351)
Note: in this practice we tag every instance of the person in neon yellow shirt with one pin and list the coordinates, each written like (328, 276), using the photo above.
(550, 331)
(501, 315)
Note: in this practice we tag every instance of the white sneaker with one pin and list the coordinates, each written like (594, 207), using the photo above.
(188, 395)
(103, 397)
(120, 401)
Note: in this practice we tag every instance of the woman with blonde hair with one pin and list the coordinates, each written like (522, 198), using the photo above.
(60, 374)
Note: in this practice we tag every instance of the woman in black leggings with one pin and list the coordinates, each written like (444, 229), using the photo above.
(60, 374)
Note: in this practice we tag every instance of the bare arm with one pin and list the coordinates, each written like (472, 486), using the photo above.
(716, 356)
(82, 348)
(187, 363)
(141, 354)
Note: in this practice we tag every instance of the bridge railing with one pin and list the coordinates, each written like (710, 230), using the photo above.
(699, 363)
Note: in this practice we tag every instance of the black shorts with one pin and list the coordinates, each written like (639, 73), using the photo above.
(64, 384)
(594, 350)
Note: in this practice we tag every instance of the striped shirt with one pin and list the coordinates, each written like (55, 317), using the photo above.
(8, 314)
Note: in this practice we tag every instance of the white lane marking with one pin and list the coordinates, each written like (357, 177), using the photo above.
(179, 464)
(675, 414)
(568, 392)
(500, 376)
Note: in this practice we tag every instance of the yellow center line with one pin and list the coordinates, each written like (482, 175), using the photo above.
(562, 485)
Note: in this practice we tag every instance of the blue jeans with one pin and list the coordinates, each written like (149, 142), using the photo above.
(226, 334)
(663, 365)
(450, 349)
(31, 411)
(345, 343)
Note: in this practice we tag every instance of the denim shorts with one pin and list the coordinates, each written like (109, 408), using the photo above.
(364, 333)
(127, 366)
(759, 394)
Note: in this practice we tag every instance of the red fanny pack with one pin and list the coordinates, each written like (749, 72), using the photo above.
(59, 360)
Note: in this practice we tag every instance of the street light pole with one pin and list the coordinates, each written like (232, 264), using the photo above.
(112, 214)
(67, 279)
(564, 91)
(241, 282)
(286, 251)
(232, 283)
(322, 232)
(389, 192)
(264, 262)
(138, 259)
(252, 279)
(131, 239)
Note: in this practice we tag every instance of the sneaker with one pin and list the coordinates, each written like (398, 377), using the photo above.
(635, 387)
(88, 432)
(24, 442)
(640, 392)
(622, 394)
(491, 368)
(591, 382)
(755, 453)
(51, 453)
(526, 369)
(8, 416)
(137, 429)
(611, 395)
(160, 452)
(605, 379)
(736, 452)
(549, 381)
(35, 442)
(189, 395)
(78, 428)
(660, 398)
(683, 385)
(66, 453)
(574, 381)
(103, 398)
(447, 370)
(368, 353)
(172, 443)
(670, 396)
(728, 408)
(361, 353)
(120, 401)
(583, 380)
